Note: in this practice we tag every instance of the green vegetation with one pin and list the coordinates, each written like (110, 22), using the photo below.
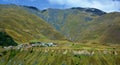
(90, 35)
(105, 29)
(24, 27)
(83, 24)
(57, 56)
(6, 40)
(70, 22)
(73, 24)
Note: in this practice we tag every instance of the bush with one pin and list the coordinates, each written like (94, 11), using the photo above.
(6, 40)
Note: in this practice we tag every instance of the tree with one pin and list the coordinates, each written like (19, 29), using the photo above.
(6, 40)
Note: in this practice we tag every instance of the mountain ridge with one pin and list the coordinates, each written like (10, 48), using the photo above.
(78, 24)
(59, 19)
(80, 20)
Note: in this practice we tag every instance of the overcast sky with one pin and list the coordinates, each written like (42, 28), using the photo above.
(105, 5)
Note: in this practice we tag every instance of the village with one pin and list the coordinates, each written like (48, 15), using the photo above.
(46, 48)
(30, 45)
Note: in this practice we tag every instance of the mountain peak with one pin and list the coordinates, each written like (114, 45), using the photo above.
(32, 7)
(91, 10)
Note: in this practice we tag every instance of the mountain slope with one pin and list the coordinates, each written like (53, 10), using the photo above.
(70, 22)
(81, 24)
(106, 28)
(76, 24)
(24, 26)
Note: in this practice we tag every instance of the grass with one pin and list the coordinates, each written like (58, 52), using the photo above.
(24, 26)
(56, 56)
(73, 24)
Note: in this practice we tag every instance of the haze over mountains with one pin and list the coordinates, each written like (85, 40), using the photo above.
(25, 23)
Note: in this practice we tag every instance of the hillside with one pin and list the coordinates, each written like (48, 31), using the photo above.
(105, 29)
(70, 22)
(82, 24)
(76, 24)
(24, 27)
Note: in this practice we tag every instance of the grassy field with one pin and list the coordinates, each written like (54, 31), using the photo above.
(103, 55)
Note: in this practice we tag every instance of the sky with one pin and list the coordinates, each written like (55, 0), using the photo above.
(104, 5)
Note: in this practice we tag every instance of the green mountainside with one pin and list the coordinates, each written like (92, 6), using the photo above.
(23, 26)
(82, 24)
(25, 23)
(70, 22)
(106, 28)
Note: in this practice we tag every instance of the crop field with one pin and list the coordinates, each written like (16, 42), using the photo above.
(61, 56)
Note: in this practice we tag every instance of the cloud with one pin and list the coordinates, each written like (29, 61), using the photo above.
(105, 5)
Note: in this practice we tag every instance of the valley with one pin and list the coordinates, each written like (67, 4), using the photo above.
(73, 36)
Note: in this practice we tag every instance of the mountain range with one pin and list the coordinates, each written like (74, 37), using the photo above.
(25, 23)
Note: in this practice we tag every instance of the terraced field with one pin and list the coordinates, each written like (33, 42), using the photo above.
(61, 56)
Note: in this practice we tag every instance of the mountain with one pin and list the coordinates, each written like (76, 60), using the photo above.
(83, 24)
(70, 22)
(76, 24)
(105, 29)
(23, 26)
